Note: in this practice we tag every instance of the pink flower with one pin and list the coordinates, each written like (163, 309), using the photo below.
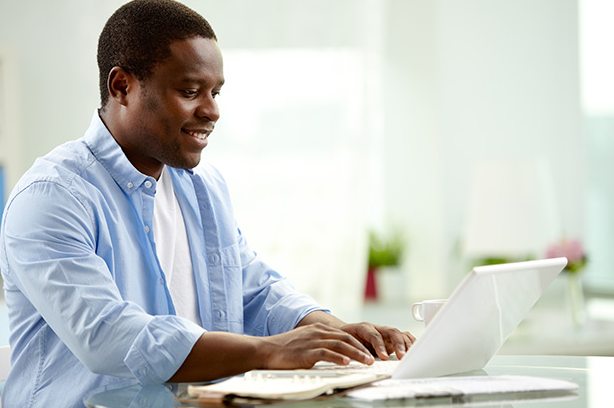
(571, 249)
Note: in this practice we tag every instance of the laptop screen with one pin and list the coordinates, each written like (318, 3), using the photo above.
(481, 313)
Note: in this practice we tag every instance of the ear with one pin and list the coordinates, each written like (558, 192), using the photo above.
(119, 85)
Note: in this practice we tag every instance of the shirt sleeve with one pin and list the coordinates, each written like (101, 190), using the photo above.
(50, 241)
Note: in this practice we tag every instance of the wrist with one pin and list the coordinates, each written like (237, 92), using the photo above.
(320, 316)
(264, 351)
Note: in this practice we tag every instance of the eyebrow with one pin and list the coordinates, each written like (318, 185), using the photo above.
(199, 81)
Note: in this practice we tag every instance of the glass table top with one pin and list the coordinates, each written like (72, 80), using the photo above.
(592, 374)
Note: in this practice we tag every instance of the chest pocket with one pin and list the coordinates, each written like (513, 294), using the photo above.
(231, 256)
(233, 282)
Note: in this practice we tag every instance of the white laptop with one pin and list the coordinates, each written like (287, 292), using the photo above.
(473, 324)
(478, 317)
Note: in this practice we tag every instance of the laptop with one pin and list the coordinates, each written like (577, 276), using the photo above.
(473, 324)
(478, 317)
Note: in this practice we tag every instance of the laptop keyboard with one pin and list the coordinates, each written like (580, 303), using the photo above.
(378, 367)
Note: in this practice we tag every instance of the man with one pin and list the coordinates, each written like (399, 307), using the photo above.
(124, 265)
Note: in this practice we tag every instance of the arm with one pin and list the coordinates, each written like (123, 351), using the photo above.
(319, 336)
(52, 269)
(227, 354)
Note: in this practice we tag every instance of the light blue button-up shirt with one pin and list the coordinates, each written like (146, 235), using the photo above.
(88, 303)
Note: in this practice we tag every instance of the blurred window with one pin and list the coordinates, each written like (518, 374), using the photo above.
(597, 82)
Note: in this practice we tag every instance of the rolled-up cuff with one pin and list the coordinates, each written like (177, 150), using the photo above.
(161, 348)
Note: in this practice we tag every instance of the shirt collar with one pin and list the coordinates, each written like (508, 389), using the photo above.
(109, 153)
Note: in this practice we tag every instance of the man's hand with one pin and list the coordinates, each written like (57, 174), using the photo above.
(381, 340)
(306, 345)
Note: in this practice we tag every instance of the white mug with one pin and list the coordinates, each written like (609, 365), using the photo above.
(429, 309)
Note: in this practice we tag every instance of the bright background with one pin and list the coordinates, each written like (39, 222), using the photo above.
(340, 117)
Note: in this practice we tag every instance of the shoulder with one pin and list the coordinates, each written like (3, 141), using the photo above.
(55, 175)
(61, 164)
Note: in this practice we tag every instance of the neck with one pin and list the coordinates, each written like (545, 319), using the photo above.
(111, 119)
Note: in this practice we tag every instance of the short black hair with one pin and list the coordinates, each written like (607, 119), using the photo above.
(138, 36)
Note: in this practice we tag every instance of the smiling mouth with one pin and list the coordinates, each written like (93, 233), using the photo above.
(199, 134)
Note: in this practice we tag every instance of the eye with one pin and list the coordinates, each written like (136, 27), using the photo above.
(215, 94)
(189, 93)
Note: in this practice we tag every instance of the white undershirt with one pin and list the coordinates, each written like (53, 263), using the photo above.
(173, 248)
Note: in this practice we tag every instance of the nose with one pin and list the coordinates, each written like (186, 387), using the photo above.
(208, 109)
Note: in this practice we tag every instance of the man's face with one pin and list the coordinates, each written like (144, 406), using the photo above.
(173, 112)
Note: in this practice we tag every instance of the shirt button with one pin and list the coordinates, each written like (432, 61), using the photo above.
(130, 185)
(148, 184)
(215, 258)
(143, 371)
(146, 229)
(161, 281)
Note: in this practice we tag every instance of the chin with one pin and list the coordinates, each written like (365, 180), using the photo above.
(185, 161)
(188, 164)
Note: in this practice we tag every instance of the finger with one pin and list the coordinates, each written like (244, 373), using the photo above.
(325, 354)
(389, 346)
(350, 339)
(409, 340)
(395, 339)
(372, 336)
(345, 343)
(348, 350)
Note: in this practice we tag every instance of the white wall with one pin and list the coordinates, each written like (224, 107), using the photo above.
(467, 80)
(55, 47)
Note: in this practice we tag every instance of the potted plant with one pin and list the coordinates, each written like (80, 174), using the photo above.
(384, 251)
